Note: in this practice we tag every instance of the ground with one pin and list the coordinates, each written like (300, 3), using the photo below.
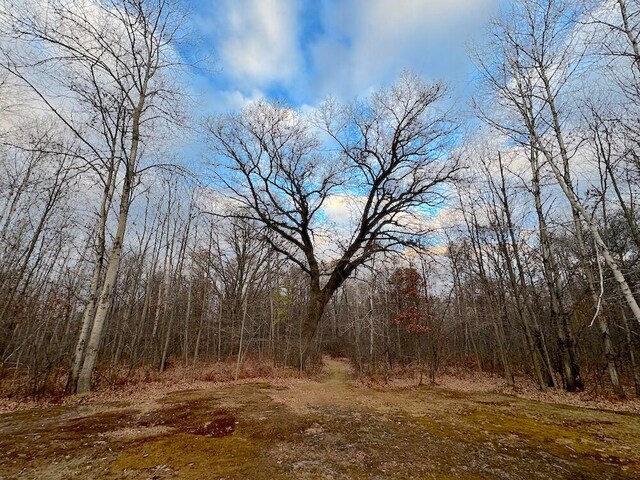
(329, 428)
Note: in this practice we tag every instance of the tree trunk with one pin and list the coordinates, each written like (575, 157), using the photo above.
(632, 355)
(104, 302)
(86, 372)
(90, 307)
(316, 304)
(555, 290)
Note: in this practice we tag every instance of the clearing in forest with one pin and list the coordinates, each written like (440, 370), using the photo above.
(330, 428)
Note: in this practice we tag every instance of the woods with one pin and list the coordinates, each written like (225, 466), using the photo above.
(401, 229)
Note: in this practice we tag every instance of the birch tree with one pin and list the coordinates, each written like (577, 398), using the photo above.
(112, 57)
(536, 56)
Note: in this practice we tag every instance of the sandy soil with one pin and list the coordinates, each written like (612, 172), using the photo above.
(331, 428)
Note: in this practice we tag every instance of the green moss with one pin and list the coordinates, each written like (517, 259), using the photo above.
(523, 426)
(253, 431)
(560, 440)
(196, 456)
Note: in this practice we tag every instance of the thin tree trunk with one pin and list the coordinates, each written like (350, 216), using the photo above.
(242, 328)
(104, 302)
(90, 308)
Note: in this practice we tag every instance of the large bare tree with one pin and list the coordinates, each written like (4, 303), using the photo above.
(391, 163)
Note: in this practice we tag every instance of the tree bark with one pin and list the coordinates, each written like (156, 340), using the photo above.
(104, 302)
(316, 304)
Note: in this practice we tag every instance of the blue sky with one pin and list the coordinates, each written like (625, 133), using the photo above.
(300, 51)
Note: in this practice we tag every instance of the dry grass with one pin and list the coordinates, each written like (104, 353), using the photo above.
(331, 426)
(115, 384)
(525, 388)
(120, 384)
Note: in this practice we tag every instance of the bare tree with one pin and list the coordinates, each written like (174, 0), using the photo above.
(112, 57)
(391, 163)
(536, 55)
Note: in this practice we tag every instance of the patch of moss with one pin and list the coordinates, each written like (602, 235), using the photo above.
(566, 440)
(196, 456)
(181, 396)
(253, 431)
(524, 426)
(100, 422)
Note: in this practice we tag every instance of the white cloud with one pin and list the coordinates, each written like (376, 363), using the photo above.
(237, 100)
(259, 40)
(343, 48)
(343, 209)
(369, 41)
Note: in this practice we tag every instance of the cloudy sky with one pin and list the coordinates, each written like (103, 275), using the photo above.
(300, 51)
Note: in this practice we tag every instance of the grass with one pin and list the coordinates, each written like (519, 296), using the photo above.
(330, 428)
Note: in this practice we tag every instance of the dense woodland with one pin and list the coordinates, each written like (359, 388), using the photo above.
(498, 235)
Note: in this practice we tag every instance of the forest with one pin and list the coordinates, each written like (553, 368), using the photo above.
(404, 229)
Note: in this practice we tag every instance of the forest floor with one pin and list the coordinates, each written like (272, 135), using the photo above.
(331, 427)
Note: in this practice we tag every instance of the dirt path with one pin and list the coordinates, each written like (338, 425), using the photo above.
(332, 428)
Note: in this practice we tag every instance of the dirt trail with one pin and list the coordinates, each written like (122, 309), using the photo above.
(332, 428)
(332, 388)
